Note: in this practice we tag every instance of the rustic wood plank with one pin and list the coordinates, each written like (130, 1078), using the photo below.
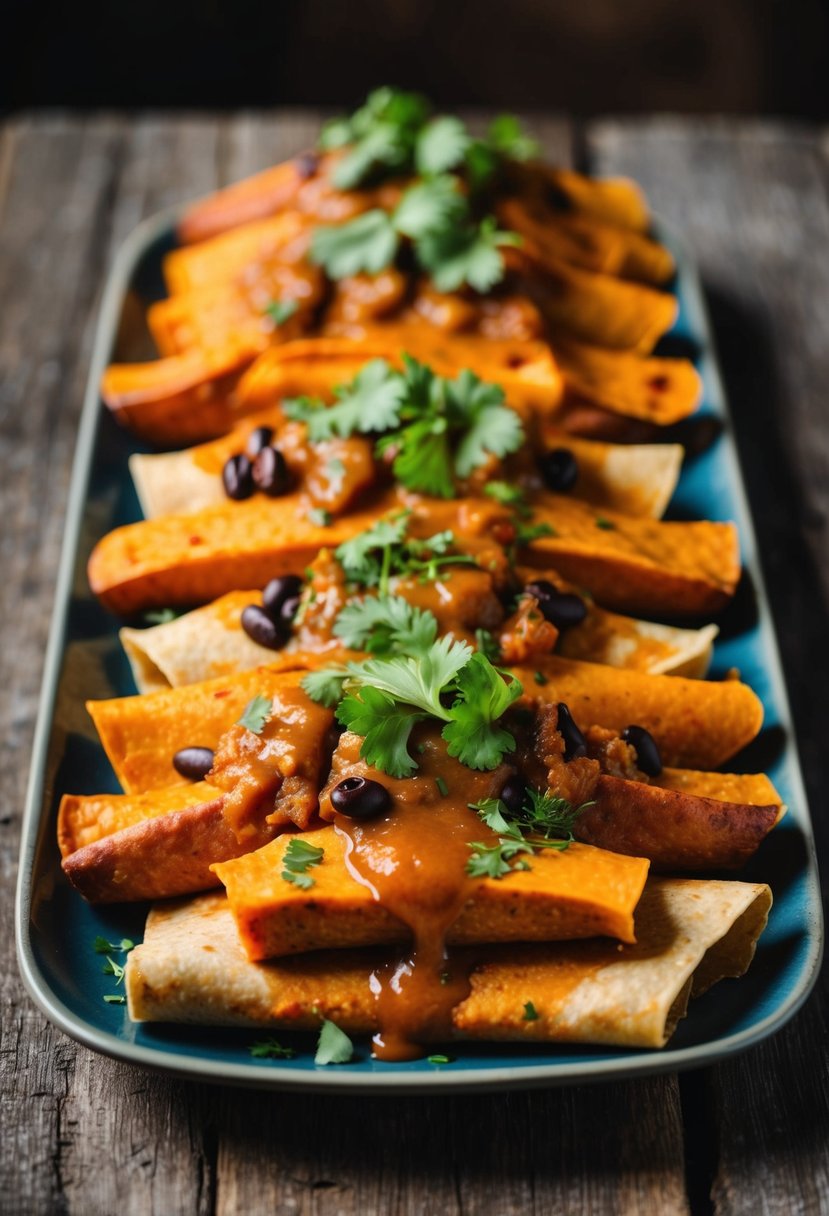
(752, 203)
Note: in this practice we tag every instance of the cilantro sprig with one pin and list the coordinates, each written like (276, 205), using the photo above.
(385, 551)
(256, 713)
(386, 625)
(383, 699)
(437, 429)
(394, 134)
(299, 857)
(544, 821)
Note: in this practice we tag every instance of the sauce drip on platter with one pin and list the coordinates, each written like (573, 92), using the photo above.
(413, 859)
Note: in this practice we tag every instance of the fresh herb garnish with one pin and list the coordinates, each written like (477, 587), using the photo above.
(540, 678)
(440, 1059)
(607, 525)
(509, 496)
(385, 698)
(102, 946)
(325, 686)
(525, 534)
(543, 822)
(530, 1012)
(256, 713)
(114, 999)
(384, 551)
(271, 1049)
(437, 428)
(299, 856)
(488, 645)
(386, 625)
(319, 517)
(443, 788)
(110, 967)
(393, 134)
(281, 311)
(333, 1046)
(160, 616)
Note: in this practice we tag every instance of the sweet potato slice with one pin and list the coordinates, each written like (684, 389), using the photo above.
(601, 248)
(225, 257)
(159, 857)
(653, 390)
(142, 734)
(579, 893)
(697, 723)
(636, 565)
(176, 400)
(611, 200)
(188, 559)
(85, 819)
(676, 831)
(252, 199)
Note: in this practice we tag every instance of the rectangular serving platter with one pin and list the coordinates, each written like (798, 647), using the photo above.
(56, 928)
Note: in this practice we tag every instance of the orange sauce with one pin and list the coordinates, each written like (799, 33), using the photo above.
(413, 861)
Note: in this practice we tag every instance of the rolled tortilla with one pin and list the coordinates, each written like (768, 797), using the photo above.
(209, 642)
(636, 479)
(628, 564)
(581, 892)
(655, 390)
(192, 968)
(696, 723)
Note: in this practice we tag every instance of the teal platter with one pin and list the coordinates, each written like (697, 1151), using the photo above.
(55, 928)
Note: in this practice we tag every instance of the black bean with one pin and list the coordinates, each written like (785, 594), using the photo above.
(262, 628)
(360, 798)
(575, 744)
(278, 592)
(258, 439)
(193, 762)
(563, 609)
(513, 794)
(237, 477)
(270, 472)
(560, 470)
(643, 743)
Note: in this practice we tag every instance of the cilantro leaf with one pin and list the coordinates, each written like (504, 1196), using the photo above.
(490, 426)
(424, 458)
(440, 145)
(102, 946)
(281, 311)
(508, 496)
(271, 1049)
(110, 967)
(461, 254)
(428, 205)
(438, 1059)
(256, 713)
(325, 686)
(299, 856)
(366, 244)
(371, 402)
(530, 1012)
(333, 1046)
(488, 645)
(385, 726)
(380, 135)
(506, 137)
(473, 734)
(359, 556)
(492, 861)
(386, 625)
(418, 682)
(115, 999)
(160, 616)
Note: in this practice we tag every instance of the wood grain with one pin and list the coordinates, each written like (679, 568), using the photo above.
(751, 203)
(81, 1134)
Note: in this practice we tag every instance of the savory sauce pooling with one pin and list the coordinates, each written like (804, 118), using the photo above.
(413, 859)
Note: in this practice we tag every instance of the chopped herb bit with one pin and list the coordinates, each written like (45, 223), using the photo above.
(525, 534)
(492, 861)
(540, 678)
(319, 517)
(334, 1046)
(606, 524)
(545, 820)
(325, 686)
(299, 856)
(160, 616)
(110, 967)
(281, 311)
(440, 1059)
(509, 496)
(442, 786)
(530, 1012)
(115, 999)
(488, 645)
(102, 946)
(271, 1049)
(257, 712)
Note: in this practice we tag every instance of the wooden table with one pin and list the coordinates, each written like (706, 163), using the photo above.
(83, 1134)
